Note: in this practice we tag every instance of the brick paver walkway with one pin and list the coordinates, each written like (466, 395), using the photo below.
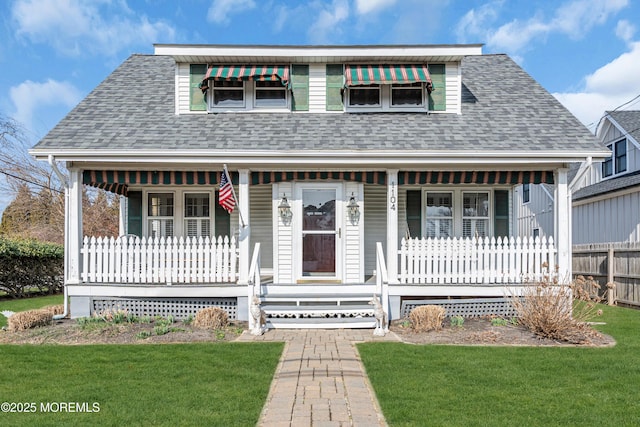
(320, 380)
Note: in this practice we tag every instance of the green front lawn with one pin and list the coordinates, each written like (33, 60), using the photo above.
(24, 304)
(223, 384)
(511, 386)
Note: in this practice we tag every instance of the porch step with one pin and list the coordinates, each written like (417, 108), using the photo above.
(329, 311)
(322, 323)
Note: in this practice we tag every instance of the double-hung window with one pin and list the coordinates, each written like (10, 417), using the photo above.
(411, 94)
(457, 213)
(365, 96)
(160, 214)
(617, 163)
(270, 94)
(197, 217)
(228, 94)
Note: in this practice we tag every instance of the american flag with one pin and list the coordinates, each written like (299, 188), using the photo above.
(225, 197)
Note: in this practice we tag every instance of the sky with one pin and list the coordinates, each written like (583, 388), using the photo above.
(54, 52)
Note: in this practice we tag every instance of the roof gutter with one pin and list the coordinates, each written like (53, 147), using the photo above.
(65, 183)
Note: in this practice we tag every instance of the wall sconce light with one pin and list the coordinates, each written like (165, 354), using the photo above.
(353, 210)
(284, 208)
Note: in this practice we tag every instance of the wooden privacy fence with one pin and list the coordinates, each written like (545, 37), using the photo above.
(614, 262)
(131, 259)
(476, 260)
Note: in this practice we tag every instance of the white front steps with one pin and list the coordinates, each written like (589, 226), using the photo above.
(320, 311)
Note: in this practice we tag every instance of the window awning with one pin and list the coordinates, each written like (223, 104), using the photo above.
(361, 75)
(246, 72)
(475, 177)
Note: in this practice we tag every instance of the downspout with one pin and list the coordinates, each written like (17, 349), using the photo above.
(65, 183)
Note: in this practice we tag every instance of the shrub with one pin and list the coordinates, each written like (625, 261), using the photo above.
(427, 318)
(28, 266)
(211, 317)
(558, 311)
(29, 319)
(457, 321)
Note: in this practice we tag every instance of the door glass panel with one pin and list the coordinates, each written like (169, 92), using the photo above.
(318, 251)
(319, 232)
(319, 209)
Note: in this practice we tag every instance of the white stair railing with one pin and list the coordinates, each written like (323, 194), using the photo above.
(131, 259)
(476, 260)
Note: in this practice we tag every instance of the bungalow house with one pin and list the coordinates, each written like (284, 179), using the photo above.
(356, 171)
(605, 194)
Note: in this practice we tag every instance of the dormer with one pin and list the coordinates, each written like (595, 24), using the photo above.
(318, 79)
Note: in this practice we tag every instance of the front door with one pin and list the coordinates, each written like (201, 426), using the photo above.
(320, 232)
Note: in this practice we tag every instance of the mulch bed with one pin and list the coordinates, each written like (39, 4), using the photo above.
(477, 331)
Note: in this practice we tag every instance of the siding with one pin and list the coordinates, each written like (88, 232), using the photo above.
(283, 244)
(317, 88)
(261, 220)
(353, 259)
(375, 224)
(610, 220)
(454, 88)
(182, 89)
(538, 213)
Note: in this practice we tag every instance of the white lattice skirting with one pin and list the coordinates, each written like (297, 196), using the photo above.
(179, 308)
(465, 307)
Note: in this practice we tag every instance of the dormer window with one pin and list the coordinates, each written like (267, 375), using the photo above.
(246, 87)
(387, 87)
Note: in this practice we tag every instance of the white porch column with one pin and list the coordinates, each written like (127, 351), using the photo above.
(392, 225)
(122, 218)
(562, 227)
(244, 246)
(73, 233)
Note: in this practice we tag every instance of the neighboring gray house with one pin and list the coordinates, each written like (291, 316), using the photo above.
(357, 170)
(605, 194)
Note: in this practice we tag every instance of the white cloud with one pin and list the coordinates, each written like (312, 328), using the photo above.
(607, 88)
(574, 19)
(370, 6)
(75, 27)
(625, 30)
(31, 98)
(329, 22)
(220, 10)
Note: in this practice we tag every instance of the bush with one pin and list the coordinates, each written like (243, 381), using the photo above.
(28, 266)
(427, 318)
(30, 319)
(211, 317)
(557, 311)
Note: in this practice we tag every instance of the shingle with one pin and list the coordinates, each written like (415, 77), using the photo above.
(503, 108)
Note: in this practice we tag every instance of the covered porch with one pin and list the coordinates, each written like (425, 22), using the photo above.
(374, 252)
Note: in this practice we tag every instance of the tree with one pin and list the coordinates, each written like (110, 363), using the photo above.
(37, 210)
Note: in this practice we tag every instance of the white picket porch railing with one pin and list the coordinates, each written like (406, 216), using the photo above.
(130, 259)
(476, 260)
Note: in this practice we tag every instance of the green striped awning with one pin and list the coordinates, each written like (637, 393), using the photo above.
(246, 72)
(361, 75)
(475, 177)
(118, 181)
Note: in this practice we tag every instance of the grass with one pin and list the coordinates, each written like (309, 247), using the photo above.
(28, 304)
(460, 386)
(221, 384)
(152, 385)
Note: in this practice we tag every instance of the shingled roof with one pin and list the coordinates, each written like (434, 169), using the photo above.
(503, 108)
(629, 122)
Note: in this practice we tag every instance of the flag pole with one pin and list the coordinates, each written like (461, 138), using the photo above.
(226, 172)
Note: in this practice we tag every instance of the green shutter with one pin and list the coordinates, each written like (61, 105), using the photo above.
(335, 85)
(197, 100)
(414, 212)
(222, 220)
(438, 97)
(501, 218)
(300, 87)
(134, 213)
